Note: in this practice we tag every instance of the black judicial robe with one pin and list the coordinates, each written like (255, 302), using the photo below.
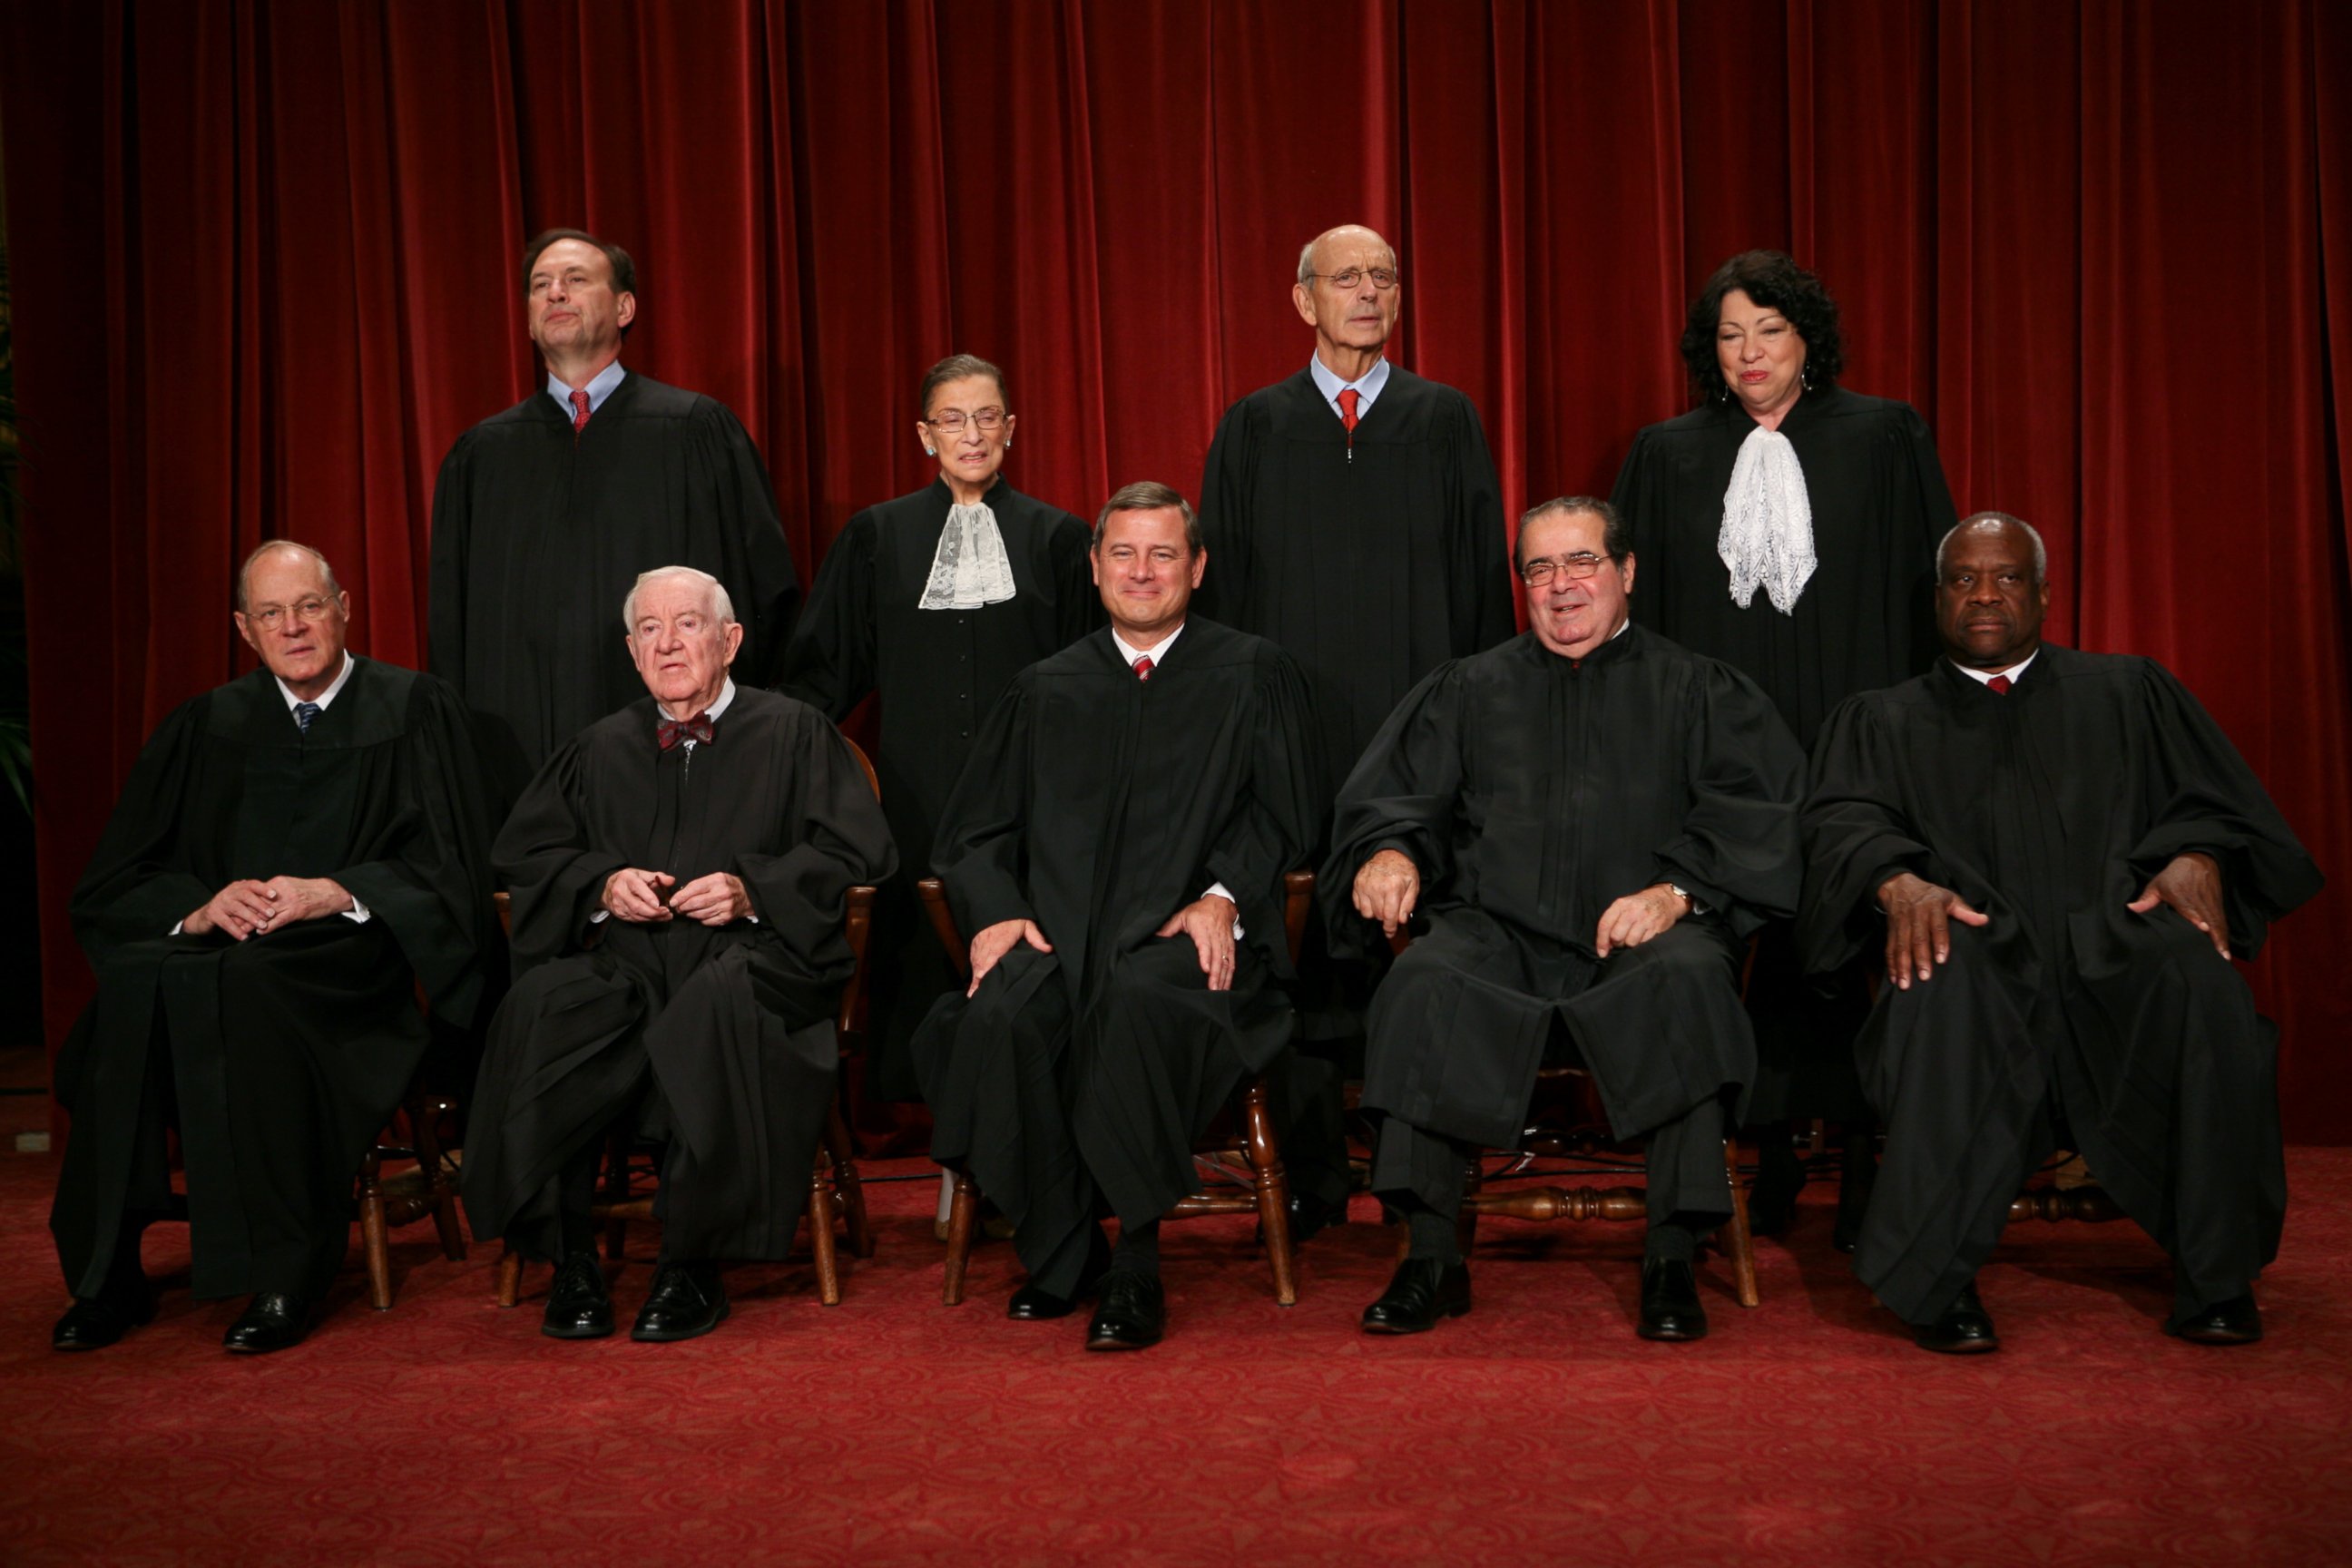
(937, 673)
(1866, 618)
(284, 1054)
(538, 536)
(1097, 805)
(2048, 808)
(734, 1023)
(1532, 791)
(1369, 561)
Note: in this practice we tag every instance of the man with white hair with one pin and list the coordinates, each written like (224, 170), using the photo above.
(292, 855)
(678, 873)
(1354, 516)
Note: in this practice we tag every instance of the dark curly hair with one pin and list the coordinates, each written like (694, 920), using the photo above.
(1769, 278)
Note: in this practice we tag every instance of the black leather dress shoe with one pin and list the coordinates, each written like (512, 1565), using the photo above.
(1965, 1329)
(1420, 1291)
(272, 1321)
(1311, 1216)
(1132, 1313)
(94, 1322)
(688, 1301)
(1670, 1308)
(1032, 1305)
(2236, 1321)
(578, 1305)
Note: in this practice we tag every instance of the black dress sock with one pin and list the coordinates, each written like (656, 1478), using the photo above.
(1432, 1235)
(1138, 1247)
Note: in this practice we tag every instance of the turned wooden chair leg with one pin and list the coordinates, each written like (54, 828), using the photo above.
(372, 1231)
(847, 1186)
(963, 1213)
(820, 1231)
(1743, 1245)
(510, 1278)
(1273, 1192)
(424, 1128)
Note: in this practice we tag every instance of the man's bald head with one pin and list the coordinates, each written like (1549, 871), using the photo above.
(1350, 292)
(1993, 523)
(1353, 235)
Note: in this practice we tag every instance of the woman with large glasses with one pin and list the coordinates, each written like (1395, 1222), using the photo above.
(933, 602)
(1788, 527)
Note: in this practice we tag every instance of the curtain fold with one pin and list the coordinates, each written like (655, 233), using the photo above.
(264, 270)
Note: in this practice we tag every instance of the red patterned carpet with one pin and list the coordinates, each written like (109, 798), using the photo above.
(891, 1430)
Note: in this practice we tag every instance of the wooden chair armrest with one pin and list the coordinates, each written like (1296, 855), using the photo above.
(1297, 898)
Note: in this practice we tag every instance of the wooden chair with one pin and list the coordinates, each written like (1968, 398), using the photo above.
(1253, 1138)
(1588, 1142)
(836, 1192)
(428, 1188)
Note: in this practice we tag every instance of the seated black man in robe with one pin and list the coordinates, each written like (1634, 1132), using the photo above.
(560, 502)
(292, 854)
(1592, 818)
(2058, 852)
(678, 873)
(1115, 851)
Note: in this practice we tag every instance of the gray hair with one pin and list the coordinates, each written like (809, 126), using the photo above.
(717, 590)
(1306, 252)
(1615, 538)
(2007, 520)
(1148, 495)
(325, 572)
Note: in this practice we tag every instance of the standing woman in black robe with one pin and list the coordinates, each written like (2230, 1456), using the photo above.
(935, 602)
(1788, 527)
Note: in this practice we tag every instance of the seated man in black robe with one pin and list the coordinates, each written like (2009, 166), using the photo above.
(1592, 817)
(1115, 848)
(2051, 848)
(678, 873)
(292, 855)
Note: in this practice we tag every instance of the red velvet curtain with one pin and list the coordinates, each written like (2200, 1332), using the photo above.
(264, 260)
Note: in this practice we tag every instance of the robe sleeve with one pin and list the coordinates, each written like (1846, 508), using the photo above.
(1855, 833)
(1928, 511)
(830, 662)
(839, 840)
(732, 482)
(553, 878)
(981, 853)
(1737, 849)
(1077, 608)
(1227, 481)
(1272, 827)
(1402, 795)
(137, 885)
(2204, 796)
(1480, 589)
(452, 526)
(428, 874)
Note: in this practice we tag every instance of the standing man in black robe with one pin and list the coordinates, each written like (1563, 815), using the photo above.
(1593, 819)
(293, 854)
(2052, 848)
(544, 514)
(933, 602)
(1356, 521)
(678, 873)
(1114, 849)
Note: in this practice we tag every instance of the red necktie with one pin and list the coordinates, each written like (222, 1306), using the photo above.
(579, 409)
(1348, 396)
(670, 731)
(1143, 667)
(1999, 683)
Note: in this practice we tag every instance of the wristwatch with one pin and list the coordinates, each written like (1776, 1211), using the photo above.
(1685, 895)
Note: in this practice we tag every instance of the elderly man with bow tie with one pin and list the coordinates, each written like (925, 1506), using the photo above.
(677, 873)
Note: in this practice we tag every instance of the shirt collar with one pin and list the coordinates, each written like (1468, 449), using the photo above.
(1984, 677)
(1156, 653)
(726, 696)
(333, 687)
(600, 387)
(1368, 385)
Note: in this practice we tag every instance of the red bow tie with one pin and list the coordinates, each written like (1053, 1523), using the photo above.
(670, 731)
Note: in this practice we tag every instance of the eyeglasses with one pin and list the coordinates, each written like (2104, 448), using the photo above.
(951, 420)
(1383, 278)
(1576, 568)
(311, 609)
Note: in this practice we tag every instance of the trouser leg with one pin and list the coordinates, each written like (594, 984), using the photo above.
(1422, 1174)
(1687, 1190)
